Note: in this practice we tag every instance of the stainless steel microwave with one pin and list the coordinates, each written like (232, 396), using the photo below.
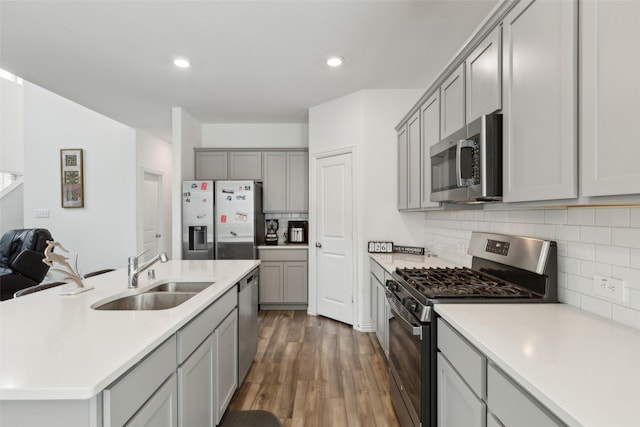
(466, 167)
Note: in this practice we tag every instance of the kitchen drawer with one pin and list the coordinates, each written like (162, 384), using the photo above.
(465, 359)
(196, 331)
(378, 271)
(283, 254)
(124, 397)
(512, 405)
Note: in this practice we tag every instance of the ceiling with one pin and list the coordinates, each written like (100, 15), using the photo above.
(252, 61)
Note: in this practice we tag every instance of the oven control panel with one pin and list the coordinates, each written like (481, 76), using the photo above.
(497, 247)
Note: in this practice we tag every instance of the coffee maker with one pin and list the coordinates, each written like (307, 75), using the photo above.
(297, 232)
(271, 237)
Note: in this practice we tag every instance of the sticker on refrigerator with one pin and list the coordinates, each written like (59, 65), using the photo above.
(223, 218)
(225, 191)
(241, 197)
(194, 185)
(241, 216)
(203, 186)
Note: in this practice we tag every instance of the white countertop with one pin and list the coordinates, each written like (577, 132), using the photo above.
(583, 368)
(57, 347)
(286, 246)
(392, 261)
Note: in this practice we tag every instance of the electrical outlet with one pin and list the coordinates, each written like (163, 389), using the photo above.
(610, 288)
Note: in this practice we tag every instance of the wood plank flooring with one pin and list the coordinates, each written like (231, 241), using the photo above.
(316, 372)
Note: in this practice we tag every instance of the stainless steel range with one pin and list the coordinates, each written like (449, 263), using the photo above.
(504, 269)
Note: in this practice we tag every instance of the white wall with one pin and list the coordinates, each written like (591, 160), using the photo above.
(103, 233)
(365, 122)
(11, 127)
(601, 240)
(186, 135)
(255, 135)
(11, 207)
(155, 155)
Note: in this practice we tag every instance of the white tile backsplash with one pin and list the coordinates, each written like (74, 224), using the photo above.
(591, 240)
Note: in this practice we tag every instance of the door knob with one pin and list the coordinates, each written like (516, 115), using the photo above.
(318, 245)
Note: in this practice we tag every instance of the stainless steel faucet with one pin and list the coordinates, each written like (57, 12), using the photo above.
(134, 270)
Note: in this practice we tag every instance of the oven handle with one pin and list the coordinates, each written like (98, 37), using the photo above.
(414, 330)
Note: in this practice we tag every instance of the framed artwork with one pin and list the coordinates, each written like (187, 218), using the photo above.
(71, 178)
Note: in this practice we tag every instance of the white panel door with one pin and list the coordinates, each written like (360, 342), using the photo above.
(151, 214)
(334, 241)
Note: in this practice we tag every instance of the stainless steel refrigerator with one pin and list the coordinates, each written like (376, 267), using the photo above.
(198, 220)
(239, 220)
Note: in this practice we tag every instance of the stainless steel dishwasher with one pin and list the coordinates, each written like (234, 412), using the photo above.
(247, 323)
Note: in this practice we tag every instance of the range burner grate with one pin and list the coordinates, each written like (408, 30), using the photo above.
(459, 283)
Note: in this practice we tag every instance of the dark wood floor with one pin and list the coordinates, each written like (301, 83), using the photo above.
(316, 372)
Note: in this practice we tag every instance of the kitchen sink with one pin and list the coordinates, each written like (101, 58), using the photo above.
(181, 287)
(147, 301)
(160, 297)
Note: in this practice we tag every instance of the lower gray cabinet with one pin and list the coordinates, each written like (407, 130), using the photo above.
(226, 363)
(379, 310)
(196, 383)
(283, 279)
(457, 405)
(161, 409)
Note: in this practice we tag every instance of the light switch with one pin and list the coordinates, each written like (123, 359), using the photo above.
(42, 213)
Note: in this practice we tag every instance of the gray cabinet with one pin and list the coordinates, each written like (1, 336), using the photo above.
(539, 95)
(609, 107)
(286, 181)
(483, 72)
(211, 165)
(430, 120)
(226, 363)
(457, 405)
(160, 409)
(403, 168)
(216, 164)
(472, 391)
(245, 165)
(207, 351)
(379, 310)
(197, 386)
(452, 103)
(283, 279)
(413, 162)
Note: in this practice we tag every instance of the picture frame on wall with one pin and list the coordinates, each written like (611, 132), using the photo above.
(71, 178)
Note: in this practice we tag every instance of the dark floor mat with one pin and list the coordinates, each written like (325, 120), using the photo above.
(254, 418)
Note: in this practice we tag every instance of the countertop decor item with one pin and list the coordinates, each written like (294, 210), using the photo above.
(70, 273)
(71, 178)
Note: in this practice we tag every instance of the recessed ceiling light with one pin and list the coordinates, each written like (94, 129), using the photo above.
(335, 61)
(182, 63)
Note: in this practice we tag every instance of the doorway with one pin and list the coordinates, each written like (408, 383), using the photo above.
(152, 214)
(334, 236)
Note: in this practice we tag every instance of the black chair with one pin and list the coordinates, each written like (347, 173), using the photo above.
(36, 288)
(21, 255)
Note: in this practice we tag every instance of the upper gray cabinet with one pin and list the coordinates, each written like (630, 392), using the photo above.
(452, 103)
(430, 120)
(245, 165)
(225, 164)
(483, 72)
(609, 107)
(211, 164)
(540, 101)
(403, 168)
(413, 161)
(286, 181)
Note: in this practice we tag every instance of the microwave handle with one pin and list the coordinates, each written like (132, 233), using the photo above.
(463, 143)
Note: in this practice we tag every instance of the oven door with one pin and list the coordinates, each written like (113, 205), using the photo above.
(406, 361)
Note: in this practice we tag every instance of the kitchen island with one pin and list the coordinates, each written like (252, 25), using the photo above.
(583, 369)
(57, 354)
